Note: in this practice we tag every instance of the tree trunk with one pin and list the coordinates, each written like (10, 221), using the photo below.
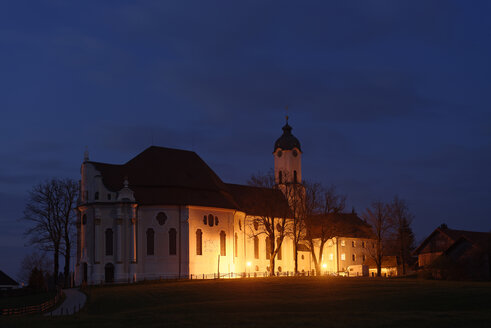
(295, 254)
(66, 271)
(56, 264)
(271, 265)
(379, 269)
(318, 264)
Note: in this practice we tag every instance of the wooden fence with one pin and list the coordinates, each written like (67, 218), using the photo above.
(32, 309)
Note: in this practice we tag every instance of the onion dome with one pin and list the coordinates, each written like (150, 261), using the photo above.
(287, 141)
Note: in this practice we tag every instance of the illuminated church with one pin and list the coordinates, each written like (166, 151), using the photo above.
(166, 214)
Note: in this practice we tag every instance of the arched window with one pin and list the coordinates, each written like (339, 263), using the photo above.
(172, 242)
(278, 243)
(109, 242)
(256, 268)
(210, 220)
(205, 220)
(279, 269)
(268, 248)
(216, 220)
(223, 243)
(109, 272)
(295, 177)
(236, 245)
(199, 242)
(280, 177)
(96, 195)
(353, 257)
(150, 242)
(256, 247)
(161, 218)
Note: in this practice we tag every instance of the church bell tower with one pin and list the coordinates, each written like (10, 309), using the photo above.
(287, 158)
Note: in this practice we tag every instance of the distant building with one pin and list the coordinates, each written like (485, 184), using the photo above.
(6, 282)
(456, 253)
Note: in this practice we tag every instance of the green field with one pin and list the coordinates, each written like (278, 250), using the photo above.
(281, 302)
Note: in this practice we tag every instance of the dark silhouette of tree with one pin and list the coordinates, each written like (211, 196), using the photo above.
(403, 234)
(378, 215)
(34, 260)
(50, 211)
(273, 218)
(321, 206)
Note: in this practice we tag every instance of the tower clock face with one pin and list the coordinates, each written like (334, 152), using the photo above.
(280, 153)
(295, 153)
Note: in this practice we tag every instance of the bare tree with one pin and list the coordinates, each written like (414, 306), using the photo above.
(378, 216)
(273, 218)
(322, 205)
(50, 211)
(403, 234)
(68, 193)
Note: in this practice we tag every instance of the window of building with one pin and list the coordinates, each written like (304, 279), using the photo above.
(172, 241)
(280, 177)
(108, 196)
(205, 220)
(279, 269)
(236, 245)
(343, 242)
(109, 242)
(364, 257)
(223, 243)
(268, 248)
(199, 242)
(343, 257)
(303, 257)
(256, 224)
(257, 268)
(240, 225)
(256, 247)
(216, 220)
(362, 244)
(353, 244)
(161, 218)
(210, 220)
(331, 256)
(353, 257)
(295, 180)
(150, 242)
(278, 243)
(96, 195)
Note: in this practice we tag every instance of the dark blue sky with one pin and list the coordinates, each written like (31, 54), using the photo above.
(386, 97)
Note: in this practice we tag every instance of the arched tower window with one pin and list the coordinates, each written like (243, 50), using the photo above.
(210, 220)
(295, 179)
(161, 218)
(109, 242)
(172, 242)
(199, 242)
(223, 243)
(150, 242)
(256, 247)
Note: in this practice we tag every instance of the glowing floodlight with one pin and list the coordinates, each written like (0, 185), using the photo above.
(324, 265)
(248, 264)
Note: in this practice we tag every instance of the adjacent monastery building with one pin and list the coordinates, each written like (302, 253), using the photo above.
(166, 214)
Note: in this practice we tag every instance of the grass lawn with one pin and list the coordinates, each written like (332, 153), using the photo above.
(281, 302)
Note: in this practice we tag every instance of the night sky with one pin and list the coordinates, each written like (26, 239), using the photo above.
(386, 97)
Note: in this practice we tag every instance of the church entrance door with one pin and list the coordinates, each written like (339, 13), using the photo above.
(109, 273)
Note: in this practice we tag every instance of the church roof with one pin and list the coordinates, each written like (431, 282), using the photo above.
(260, 201)
(165, 176)
(287, 141)
(168, 176)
